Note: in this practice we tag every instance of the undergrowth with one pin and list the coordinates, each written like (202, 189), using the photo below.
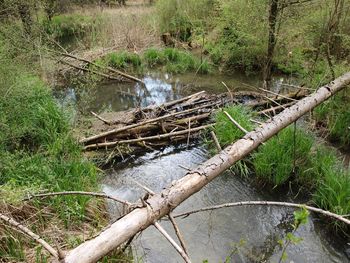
(170, 60)
(292, 157)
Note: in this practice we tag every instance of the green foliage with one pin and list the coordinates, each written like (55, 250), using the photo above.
(154, 57)
(68, 25)
(275, 159)
(335, 114)
(123, 60)
(225, 130)
(37, 150)
(181, 18)
(333, 192)
(175, 61)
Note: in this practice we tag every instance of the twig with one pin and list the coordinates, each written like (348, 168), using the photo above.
(28, 232)
(278, 95)
(189, 132)
(144, 187)
(273, 109)
(229, 91)
(235, 123)
(269, 203)
(184, 167)
(256, 122)
(101, 195)
(101, 119)
(216, 141)
(178, 233)
(172, 242)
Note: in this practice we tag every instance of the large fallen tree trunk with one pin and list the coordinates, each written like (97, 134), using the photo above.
(159, 205)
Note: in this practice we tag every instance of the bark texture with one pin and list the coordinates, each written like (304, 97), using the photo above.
(159, 205)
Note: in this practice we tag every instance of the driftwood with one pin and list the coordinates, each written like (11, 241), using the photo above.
(100, 195)
(267, 203)
(158, 126)
(123, 74)
(160, 205)
(29, 233)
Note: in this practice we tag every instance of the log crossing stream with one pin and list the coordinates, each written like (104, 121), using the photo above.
(245, 234)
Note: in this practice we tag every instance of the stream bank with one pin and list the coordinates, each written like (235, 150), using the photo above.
(159, 168)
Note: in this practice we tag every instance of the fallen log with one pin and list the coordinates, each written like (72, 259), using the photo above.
(127, 76)
(163, 203)
(150, 138)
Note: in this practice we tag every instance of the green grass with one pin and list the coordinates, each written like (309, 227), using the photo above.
(274, 161)
(225, 130)
(333, 192)
(335, 115)
(170, 60)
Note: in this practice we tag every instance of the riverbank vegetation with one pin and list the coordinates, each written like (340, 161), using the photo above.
(295, 157)
(308, 40)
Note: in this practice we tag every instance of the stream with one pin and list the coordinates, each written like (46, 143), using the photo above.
(242, 234)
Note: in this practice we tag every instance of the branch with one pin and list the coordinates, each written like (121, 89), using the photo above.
(28, 232)
(100, 195)
(270, 203)
(172, 242)
(235, 123)
(177, 231)
(101, 119)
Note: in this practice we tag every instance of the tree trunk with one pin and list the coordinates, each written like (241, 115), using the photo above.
(273, 15)
(159, 205)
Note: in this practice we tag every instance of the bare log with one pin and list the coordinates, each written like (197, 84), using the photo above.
(101, 195)
(150, 138)
(162, 204)
(267, 203)
(90, 70)
(127, 76)
(28, 232)
(125, 128)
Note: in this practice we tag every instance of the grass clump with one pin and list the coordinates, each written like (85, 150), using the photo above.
(333, 192)
(173, 60)
(225, 130)
(335, 116)
(123, 60)
(274, 162)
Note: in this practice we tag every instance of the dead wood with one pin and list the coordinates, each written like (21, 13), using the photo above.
(150, 138)
(101, 195)
(267, 203)
(162, 204)
(127, 76)
(28, 232)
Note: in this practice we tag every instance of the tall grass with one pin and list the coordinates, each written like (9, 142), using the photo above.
(277, 160)
(335, 115)
(225, 130)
